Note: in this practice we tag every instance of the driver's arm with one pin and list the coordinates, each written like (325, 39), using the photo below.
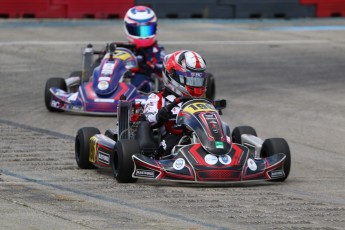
(152, 106)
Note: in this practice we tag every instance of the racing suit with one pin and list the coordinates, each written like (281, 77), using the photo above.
(151, 63)
(154, 103)
(170, 136)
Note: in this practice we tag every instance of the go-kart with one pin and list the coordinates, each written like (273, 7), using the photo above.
(98, 94)
(141, 57)
(204, 154)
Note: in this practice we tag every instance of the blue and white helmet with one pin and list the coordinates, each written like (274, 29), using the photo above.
(140, 24)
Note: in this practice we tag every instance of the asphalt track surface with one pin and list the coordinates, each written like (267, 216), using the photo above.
(285, 78)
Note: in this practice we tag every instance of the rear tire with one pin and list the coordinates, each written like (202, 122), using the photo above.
(210, 87)
(124, 113)
(56, 83)
(277, 145)
(82, 146)
(121, 160)
(239, 131)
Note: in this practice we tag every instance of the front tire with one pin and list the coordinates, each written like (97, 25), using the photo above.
(82, 146)
(121, 160)
(277, 145)
(239, 131)
(56, 83)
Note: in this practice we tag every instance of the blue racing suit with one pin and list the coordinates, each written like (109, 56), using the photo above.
(151, 63)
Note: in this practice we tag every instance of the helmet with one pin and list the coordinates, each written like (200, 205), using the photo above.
(184, 73)
(141, 25)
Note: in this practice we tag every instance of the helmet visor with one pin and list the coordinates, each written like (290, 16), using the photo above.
(195, 79)
(142, 30)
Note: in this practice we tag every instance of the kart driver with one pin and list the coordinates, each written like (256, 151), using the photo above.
(183, 76)
(140, 25)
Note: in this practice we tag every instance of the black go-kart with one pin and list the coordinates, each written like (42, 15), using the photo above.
(206, 153)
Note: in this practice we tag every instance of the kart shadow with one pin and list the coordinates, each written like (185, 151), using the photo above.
(177, 184)
(207, 185)
(67, 113)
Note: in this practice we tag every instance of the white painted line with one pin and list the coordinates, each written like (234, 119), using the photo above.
(268, 42)
(245, 42)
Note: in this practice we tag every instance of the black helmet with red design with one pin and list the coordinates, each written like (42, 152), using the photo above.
(184, 73)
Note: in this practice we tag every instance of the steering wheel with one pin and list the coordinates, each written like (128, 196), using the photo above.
(177, 101)
(169, 125)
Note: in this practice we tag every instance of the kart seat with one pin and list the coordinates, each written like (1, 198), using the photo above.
(144, 136)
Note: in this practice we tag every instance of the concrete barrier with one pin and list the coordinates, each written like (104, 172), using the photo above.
(229, 8)
(109, 9)
(327, 8)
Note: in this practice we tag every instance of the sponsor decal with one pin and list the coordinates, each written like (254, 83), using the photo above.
(103, 157)
(131, 64)
(93, 147)
(104, 79)
(103, 85)
(123, 55)
(108, 68)
(55, 104)
(104, 100)
(225, 159)
(209, 116)
(141, 101)
(219, 145)
(198, 74)
(73, 107)
(144, 173)
(73, 97)
(175, 110)
(179, 164)
(215, 130)
(211, 159)
(60, 93)
(252, 165)
(200, 107)
(164, 144)
(277, 174)
(228, 139)
(206, 115)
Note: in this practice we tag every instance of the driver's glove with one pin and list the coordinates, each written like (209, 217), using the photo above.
(163, 115)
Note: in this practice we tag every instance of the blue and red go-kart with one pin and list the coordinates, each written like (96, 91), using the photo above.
(205, 153)
(142, 58)
(99, 93)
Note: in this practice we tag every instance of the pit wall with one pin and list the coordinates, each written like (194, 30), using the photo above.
(231, 9)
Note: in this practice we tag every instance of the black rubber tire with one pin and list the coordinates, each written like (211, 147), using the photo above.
(121, 160)
(57, 83)
(124, 113)
(82, 146)
(239, 131)
(277, 145)
(210, 87)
